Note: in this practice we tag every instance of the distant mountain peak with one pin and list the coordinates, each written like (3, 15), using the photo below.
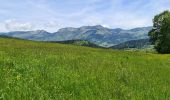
(41, 31)
(98, 25)
(67, 28)
(95, 26)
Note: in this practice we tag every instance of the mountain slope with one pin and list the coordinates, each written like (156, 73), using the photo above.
(72, 42)
(4, 36)
(39, 35)
(96, 34)
(138, 44)
(78, 43)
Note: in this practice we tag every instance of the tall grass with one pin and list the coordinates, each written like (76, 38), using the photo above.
(48, 71)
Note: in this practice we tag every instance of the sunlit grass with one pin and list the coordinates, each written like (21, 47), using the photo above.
(37, 71)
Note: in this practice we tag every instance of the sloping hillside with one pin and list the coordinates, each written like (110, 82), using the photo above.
(49, 71)
(78, 43)
(138, 44)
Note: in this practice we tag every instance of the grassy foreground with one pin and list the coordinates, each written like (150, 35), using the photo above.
(48, 71)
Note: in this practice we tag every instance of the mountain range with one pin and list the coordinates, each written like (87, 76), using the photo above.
(98, 34)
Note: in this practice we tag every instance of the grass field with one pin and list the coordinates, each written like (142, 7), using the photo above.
(48, 71)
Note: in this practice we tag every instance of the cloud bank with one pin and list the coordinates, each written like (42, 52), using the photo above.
(13, 25)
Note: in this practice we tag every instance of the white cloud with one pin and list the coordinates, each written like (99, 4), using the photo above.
(52, 26)
(2, 28)
(51, 15)
(13, 25)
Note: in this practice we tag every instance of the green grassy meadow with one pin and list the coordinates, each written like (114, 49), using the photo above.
(49, 71)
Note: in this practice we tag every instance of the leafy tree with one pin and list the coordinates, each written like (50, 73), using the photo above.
(160, 34)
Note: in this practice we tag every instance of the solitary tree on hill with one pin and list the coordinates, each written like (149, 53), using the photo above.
(160, 34)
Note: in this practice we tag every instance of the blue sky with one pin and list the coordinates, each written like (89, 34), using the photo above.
(50, 15)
